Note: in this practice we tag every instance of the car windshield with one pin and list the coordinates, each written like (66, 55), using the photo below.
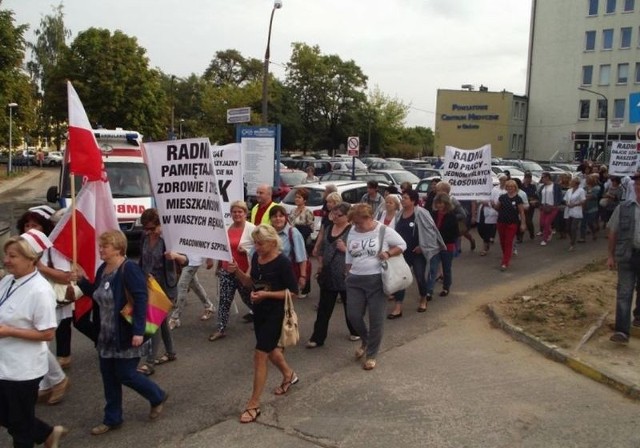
(531, 166)
(386, 166)
(293, 178)
(405, 176)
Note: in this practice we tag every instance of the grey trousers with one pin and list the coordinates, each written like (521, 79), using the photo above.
(365, 292)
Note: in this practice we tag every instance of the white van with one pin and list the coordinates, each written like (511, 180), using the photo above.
(128, 176)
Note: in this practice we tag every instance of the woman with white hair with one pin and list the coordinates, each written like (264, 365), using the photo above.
(27, 323)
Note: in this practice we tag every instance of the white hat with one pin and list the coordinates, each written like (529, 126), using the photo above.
(43, 210)
(37, 240)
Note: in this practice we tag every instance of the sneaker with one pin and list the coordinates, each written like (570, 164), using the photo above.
(515, 252)
(354, 337)
(539, 234)
(543, 243)
(619, 338)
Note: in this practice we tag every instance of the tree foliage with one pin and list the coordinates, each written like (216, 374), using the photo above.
(329, 95)
(111, 74)
(15, 85)
(229, 67)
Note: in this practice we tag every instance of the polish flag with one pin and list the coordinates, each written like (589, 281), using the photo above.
(94, 209)
(85, 158)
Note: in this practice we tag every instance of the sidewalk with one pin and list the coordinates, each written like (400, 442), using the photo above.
(7, 184)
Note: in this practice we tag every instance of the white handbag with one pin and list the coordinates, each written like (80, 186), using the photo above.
(396, 273)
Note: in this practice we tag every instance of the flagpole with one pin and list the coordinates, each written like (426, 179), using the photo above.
(74, 237)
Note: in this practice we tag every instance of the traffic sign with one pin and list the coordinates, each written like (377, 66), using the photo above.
(353, 146)
(634, 107)
(239, 115)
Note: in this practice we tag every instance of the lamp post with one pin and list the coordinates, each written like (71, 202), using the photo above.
(11, 106)
(181, 121)
(173, 128)
(277, 4)
(606, 117)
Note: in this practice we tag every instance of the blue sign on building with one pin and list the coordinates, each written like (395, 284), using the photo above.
(634, 107)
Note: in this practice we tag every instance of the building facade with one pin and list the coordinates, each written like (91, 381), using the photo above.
(583, 80)
(469, 119)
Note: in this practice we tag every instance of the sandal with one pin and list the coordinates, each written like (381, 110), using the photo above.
(369, 364)
(208, 314)
(167, 357)
(146, 370)
(251, 413)
(217, 335)
(286, 385)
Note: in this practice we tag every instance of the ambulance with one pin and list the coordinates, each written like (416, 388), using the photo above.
(128, 177)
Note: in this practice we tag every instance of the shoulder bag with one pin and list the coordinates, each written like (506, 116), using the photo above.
(158, 305)
(290, 334)
(396, 273)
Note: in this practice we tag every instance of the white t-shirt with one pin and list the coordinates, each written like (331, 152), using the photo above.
(31, 305)
(363, 248)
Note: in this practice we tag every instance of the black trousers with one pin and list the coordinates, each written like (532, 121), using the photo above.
(63, 338)
(18, 413)
(325, 310)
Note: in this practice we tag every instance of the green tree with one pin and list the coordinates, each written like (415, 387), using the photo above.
(229, 67)
(46, 51)
(111, 74)
(15, 85)
(384, 119)
(329, 95)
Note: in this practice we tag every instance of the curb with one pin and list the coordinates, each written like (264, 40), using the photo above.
(561, 356)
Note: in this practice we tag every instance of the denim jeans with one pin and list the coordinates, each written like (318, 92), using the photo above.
(117, 372)
(628, 280)
(189, 279)
(419, 265)
(445, 258)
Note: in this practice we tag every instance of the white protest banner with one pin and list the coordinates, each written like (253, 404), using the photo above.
(227, 162)
(624, 159)
(469, 172)
(186, 193)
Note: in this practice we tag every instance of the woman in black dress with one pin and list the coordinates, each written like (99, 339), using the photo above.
(270, 275)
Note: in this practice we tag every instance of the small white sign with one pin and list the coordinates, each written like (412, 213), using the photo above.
(239, 115)
(353, 146)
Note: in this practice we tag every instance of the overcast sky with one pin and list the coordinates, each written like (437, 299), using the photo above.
(409, 48)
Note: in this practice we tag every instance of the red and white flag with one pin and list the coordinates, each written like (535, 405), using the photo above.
(94, 209)
(83, 151)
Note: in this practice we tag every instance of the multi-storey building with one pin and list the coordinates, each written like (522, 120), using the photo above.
(469, 119)
(583, 81)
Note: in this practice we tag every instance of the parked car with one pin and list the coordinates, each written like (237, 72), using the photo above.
(351, 192)
(288, 178)
(369, 160)
(514, 172)
(363, 176)
(396, 177)
(524, 165)
(347, 165)
(423, 171)
(54, 158)
(386, 165)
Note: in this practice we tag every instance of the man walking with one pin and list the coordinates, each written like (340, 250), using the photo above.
(624, 252)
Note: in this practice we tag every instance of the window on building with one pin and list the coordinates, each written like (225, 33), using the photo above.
(629, 5)
(636, 78)
(605, 75)
(625, 37)
(587, 75)
(623, 73)
(618, 108)
(593, 7)
(590, 38)
(611, 6)
(607, 39)
(602, 109)
(584, 109)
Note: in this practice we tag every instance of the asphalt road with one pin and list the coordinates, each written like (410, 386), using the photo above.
(444, 378)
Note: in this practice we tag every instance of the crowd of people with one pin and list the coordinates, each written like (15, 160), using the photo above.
(271, 258)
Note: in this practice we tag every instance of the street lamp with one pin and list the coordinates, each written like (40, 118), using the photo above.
(11, 106)
(173, 108)
(606, 117)
(277, 4)
(181, 121)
